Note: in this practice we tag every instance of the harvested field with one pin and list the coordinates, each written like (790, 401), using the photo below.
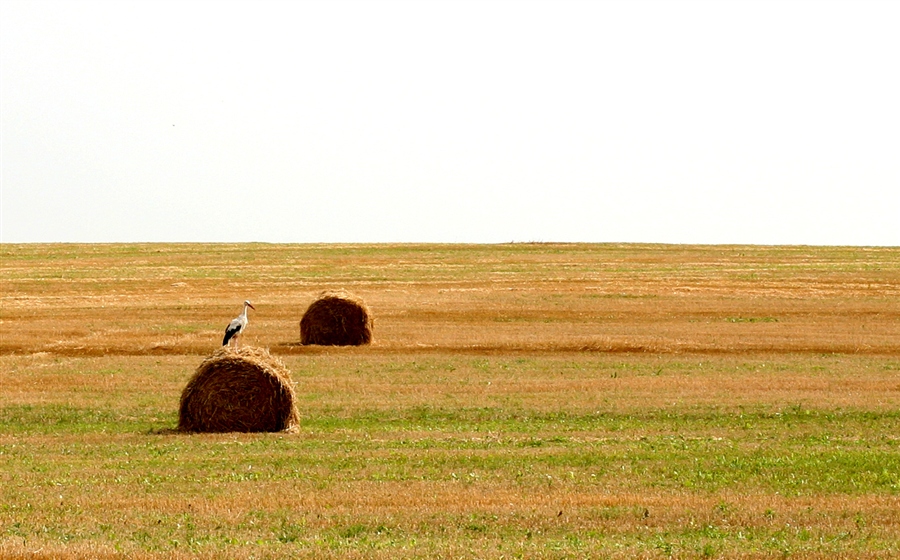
(83, 300)
(523, 400)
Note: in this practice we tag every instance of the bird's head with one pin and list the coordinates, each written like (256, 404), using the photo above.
(248, 304)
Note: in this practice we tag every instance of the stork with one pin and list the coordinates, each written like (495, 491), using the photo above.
(237, 326)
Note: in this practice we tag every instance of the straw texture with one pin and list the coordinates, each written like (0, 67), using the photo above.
(245, 390)
(337, 319)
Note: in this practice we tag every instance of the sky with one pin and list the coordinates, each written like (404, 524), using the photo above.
(759, 122)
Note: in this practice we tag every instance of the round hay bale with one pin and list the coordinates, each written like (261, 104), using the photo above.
(245, 390)
(336, 319)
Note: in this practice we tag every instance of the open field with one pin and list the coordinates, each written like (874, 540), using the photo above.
(519, 401)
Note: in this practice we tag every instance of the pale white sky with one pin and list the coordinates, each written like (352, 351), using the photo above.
(769, 122)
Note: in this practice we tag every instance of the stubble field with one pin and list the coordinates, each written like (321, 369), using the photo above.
(519, 401)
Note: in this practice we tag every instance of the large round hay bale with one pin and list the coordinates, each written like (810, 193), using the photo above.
(336, 319)
(245, 390)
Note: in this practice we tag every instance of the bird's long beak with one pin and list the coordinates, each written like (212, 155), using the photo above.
(251, 306)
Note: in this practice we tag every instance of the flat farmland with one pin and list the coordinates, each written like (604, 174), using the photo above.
(518, 401)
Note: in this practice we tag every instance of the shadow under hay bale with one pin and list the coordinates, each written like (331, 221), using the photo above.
(245, 390)
(336, 319)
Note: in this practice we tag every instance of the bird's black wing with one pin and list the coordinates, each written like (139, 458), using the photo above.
(231, 331)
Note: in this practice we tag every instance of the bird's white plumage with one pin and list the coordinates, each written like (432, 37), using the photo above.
(237, 325)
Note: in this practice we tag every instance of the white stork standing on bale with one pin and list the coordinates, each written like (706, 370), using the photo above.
(237, 326)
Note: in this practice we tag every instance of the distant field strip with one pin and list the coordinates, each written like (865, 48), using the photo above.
(172, 299)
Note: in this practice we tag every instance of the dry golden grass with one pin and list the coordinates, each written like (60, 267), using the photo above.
(170, 299)
(537, 401)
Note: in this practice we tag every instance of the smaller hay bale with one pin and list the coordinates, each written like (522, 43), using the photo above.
(337, 319)
(245, 390)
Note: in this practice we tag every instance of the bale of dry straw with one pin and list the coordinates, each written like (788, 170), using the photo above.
(245, 390)
(337, 319)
